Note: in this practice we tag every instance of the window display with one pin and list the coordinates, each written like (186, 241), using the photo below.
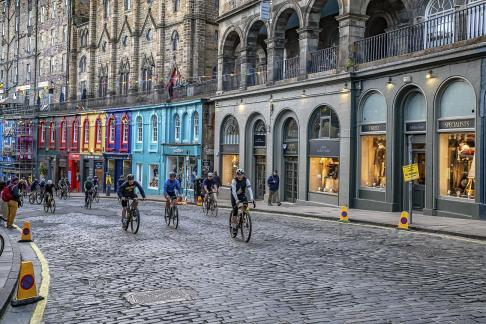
(457, 161)
(154, 176)
(324, 175)
(373, 161)
(229, 166)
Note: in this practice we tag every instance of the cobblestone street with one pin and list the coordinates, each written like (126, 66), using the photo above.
(294, 270)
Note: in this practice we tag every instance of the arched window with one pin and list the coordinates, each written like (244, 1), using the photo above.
(139, 129)
(75, 132)
(195, 123)
(125, 130)
(42, 135)
(155, 129)
(128, 4)
(230, 158)
(457, 140)
(106, 8)
(63, 133)
(373, 141)
(440, 23)
(291, 130)
(98, 133)
(177, 128)
(111, 130)
(82, 64)
(324, 151)
(52, 134)
(231, 133)
(185, 128)
(175, 41)
(124, 74)
(85, 133)
(147, 78)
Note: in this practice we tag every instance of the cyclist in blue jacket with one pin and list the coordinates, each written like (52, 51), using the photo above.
(171, 185)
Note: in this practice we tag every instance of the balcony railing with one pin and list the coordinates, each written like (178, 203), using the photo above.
(131, 100)
(257, 76)
(287, 69)
(324, 60)
(447, 29)
(231, 81)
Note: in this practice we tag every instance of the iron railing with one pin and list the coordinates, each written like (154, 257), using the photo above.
(257, 76)
(323, 60)
(443, 30)
(287, 69)
(231, 81)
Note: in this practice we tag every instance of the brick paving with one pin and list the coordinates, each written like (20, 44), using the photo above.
(293, 270)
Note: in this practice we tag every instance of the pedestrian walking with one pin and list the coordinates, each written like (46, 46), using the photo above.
(273, 185)
(11, 195)
(4, 209)
(109, 183)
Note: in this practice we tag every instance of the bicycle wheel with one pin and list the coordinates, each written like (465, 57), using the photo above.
(245, 227)
(175, 217)
(126, 220)
(53, 206)
(90, 202)
(167, 216)
(97, 197)
(32, 198)
(46, 207)
(39, 198)
(214, 208)
(232, 233)
(2, 243)
(135, 223)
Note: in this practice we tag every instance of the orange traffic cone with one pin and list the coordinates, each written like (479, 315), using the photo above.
(26, 289)
(344, 215)
(26, 234)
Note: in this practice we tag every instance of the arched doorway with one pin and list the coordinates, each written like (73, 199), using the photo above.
(230, 147)
(259, 157)
(290, 143)
(411, 136)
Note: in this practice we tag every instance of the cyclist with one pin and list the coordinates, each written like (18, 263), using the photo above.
(127, 191)
(120, 182)
(239, 186)
(66, 180)
(49, 190)
(35, 185)
(210, 186)
(95, 183)
(170, 187)
(88, 188)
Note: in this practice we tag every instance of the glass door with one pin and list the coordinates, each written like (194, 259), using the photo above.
(291, 169)
(260, 168)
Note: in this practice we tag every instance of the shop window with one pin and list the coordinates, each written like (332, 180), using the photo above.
(155, 129)
(230, 164)
(230, 140)
(98, 131)
(373, 142)
(457, 141)
(139, 129)
(153, 176)
(324, 132)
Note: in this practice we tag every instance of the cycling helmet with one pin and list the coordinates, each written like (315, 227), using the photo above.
(172, 174)
(49, 182)
(240, 172)
(130, 177)
(210, 174)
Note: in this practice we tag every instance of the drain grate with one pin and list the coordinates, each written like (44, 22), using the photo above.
(96, 282)
(161, 296)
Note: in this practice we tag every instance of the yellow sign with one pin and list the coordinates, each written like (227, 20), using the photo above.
(411, 172)
(403, 222)
(344, 215)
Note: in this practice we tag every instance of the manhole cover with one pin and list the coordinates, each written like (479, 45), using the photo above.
(161, 296)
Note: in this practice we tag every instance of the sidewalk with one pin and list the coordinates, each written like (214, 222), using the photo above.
(9, 269)
(467, 228)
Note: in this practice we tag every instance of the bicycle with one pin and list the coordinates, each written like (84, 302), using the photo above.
(64, 193)
(49, 203)
(89, 202)
(243, 223)
(33, 197)
(132, 216)
(171, 213)
(96, 196)
(211, 205)
(39, 197)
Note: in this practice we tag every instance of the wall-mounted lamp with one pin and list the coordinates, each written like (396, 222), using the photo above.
(345, 89)
(429, 75)
(303, 95)
(390, 81)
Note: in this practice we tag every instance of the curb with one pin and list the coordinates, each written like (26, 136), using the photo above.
(11, 283)
(335, 219)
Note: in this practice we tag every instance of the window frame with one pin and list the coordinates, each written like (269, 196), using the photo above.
(42, 134)
(124, 134)
(52, 134)
(63, 135)
(155, 128)
(177, 128)
(86, 128)
(195, 126)
(75, 133)
(98, 134)
(139, 129)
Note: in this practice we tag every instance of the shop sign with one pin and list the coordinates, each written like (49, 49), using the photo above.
(230, 149)
(324, 148)
(98, 165)
(416, 127)
(265, 10)
(181, 150)
(23, 88)
(259, 140)
(411, 172)
(117, 156)
(290, 148)
(373, 128)
(457, 123)
(74, 156)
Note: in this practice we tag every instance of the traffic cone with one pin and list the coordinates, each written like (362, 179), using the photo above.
(404, 222)
(26, 233)
(26, 288)
(344, 216)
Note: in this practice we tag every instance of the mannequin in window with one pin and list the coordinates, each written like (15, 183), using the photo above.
(459, 165)
(379, 164)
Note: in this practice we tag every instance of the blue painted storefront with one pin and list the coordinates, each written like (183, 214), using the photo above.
(166, 138)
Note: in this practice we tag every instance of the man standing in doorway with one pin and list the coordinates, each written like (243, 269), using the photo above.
(273, 184)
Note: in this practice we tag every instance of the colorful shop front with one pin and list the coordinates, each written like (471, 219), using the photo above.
(117, 157)
(92, 145)
(48, 148)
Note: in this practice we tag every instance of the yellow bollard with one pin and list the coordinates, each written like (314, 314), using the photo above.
(403, 223)
(26, 289)
(199, 201)
(26, 233)
(344, 216)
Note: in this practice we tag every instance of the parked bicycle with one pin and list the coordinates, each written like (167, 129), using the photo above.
(171, 214)
(132, 216)
(49, 203)
(210, 205)
(243, 223)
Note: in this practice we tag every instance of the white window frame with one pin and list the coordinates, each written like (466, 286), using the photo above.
(75, 132)
(155, 128)
(112, 129)
(139, 129)
(195, 120)
(177, 128)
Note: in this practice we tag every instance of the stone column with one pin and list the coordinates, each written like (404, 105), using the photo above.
(308, 39)
(220, 73)
(351, 29)
(112, 73)
(275, 51)
(244, 68)
(135, 61)
(92, 48)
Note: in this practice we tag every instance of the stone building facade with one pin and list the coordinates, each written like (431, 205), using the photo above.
(334, 93)
(127, 46)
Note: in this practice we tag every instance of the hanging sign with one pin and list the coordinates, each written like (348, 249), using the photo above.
(411, 172)
(265, 10)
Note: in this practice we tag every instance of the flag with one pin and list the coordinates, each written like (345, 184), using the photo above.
(172, 81)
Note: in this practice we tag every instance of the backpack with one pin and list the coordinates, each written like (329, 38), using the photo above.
(7, 194)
